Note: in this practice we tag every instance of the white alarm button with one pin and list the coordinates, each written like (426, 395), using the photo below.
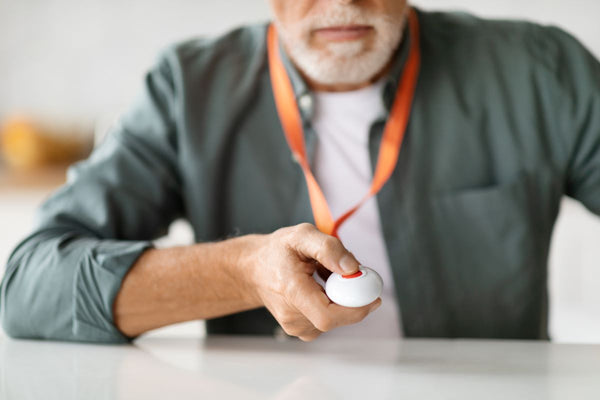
(356, 290)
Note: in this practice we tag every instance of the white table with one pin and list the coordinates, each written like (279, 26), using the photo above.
(222, 367)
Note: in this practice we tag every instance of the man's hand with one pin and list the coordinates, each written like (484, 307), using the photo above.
(280, 272)
(213, 279)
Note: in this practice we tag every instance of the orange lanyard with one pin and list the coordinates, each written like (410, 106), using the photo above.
(392, 135)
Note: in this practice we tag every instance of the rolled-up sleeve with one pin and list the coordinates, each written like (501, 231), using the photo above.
(61, 281)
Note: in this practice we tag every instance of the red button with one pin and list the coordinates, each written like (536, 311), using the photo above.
(354, 275)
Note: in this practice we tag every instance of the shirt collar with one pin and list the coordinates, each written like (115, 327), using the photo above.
(304, 97)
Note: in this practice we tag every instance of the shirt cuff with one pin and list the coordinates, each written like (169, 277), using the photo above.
(97, 282)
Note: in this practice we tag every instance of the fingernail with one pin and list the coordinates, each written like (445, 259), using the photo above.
(348, 264)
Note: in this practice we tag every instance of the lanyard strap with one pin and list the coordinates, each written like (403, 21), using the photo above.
(392, 135)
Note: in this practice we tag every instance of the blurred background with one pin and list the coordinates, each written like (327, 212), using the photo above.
(68, 68)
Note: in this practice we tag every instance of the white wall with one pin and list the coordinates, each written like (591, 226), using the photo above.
(84, 59)
(580, 17)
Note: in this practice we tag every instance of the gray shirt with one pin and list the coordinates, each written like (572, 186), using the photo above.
(505, 121)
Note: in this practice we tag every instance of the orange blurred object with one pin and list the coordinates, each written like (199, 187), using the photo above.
(29, 145)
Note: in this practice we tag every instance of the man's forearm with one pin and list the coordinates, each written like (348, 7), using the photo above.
(201, 281)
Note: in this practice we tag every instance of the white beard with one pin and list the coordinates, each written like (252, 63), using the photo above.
(344, 62)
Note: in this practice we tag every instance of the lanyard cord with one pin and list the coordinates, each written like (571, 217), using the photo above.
(391, 141)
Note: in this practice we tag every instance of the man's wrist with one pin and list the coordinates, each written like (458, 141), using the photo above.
(243, 267)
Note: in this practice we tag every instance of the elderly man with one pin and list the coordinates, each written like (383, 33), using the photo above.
(432, 147)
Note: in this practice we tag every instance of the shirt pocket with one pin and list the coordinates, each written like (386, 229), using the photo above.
(488, 254)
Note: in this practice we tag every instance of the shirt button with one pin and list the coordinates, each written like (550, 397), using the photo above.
(305, 102)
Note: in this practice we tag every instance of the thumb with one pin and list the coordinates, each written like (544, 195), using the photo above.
(326, 249)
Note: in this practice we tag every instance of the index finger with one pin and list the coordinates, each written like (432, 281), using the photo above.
(310, 299)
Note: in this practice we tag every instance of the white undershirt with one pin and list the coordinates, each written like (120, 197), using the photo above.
(342, 168)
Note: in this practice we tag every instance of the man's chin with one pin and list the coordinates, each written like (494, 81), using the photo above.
(348, 70)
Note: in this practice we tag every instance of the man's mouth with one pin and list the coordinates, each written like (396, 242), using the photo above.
(343, 32)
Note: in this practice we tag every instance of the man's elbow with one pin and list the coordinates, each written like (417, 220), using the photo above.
(14, 321)
(13, 328)
(54, 289)
(25, 312)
